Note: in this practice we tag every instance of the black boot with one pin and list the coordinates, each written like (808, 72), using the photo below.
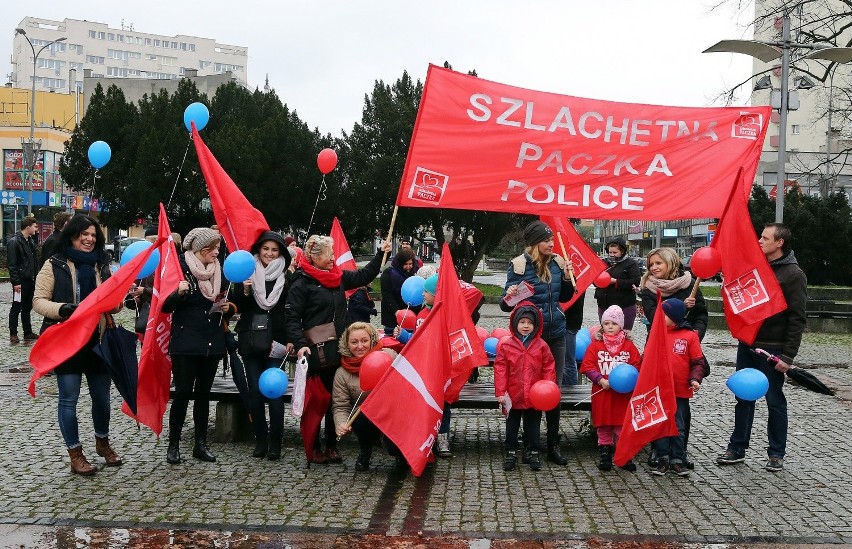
(173, 453)
(274, 449)
(554, 454)
(362, 463)
(200, 450)
(509, 461)
(605, 463)
(260, 446)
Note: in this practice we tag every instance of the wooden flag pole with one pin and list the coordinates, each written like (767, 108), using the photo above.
(390, 234)
(565, 255)
(694, 291)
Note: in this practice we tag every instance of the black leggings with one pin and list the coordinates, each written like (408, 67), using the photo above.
(193, 377)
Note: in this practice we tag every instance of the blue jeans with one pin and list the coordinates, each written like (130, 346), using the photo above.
(255, 365)
(672, 449)
(776, 402)
(569, 372)
(445, 419)
(69, 394)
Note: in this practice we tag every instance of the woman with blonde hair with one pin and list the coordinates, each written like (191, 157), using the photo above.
(316, 317)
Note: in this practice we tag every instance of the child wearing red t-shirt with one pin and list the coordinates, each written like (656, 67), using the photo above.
(610, 346)
(689, 367)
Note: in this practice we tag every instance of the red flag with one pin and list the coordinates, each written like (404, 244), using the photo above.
(155, 365)
(651, 414)
(466, 350)
(239, 222)
(316, 404)
(587, 265)
(61, 341)
(342, 254)
(408, 402)
(750, 292)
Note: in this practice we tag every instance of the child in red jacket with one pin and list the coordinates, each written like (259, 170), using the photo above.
(689, 367)
(522, 360)
(610, 346)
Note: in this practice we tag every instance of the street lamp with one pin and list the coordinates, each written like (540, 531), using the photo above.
(768, 52)
(31, 149)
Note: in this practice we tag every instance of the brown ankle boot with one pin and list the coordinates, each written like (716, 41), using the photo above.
(105, 451)
(79, 464)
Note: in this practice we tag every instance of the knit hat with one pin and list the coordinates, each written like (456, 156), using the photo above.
(288, 240)
(675, 309)
(199, 238)
(614, 314)
(526, 314)
(431, 284)
(536, 232)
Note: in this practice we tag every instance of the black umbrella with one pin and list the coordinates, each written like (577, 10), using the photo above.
(117, 348)
(802, 377)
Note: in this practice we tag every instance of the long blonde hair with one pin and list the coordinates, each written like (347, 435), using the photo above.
(541, 262)
(669, 256)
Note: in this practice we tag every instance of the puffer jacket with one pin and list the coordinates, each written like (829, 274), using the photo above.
(517, 367)
(547, 297)
(784, 330)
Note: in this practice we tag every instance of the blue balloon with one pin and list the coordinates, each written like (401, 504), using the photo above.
(238, 266)
(99, 154)
(273, 382)
(137, 248)
(581, 344)
(198, 113)
(584, 333)
(412, 290)
(623, 378)
(491, 346)
(404, 336)
(748, 384)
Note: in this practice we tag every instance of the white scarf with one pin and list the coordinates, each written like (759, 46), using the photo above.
(273, 271)
(209, 276)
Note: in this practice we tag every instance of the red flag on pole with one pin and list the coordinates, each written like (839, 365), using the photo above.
(61, 341)
(240, 223)
(651, 414)
(466, 350)
(587, 265)
(342, 254)
(750, 292)
(316, 404)
(155, 365)
(408, 402)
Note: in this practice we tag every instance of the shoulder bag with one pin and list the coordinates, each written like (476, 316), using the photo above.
(322, 340)
(257, 340)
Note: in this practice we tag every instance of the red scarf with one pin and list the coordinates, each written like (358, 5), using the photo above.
(353, 365)
(613, 343)
(329, 279)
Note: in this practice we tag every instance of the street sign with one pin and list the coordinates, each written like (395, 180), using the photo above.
(710, 235)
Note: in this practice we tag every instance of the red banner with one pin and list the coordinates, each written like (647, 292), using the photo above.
(479, 144)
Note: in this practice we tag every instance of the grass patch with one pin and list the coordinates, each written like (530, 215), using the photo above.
(482, 273)
(489, 289)
(710, 291)
(4, 273)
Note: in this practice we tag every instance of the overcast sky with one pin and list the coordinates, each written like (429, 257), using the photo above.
(322, 57)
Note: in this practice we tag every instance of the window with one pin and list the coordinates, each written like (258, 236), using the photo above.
(183, 46)
(204, 64)
(170, 61)
(147, 41)
(92, 34)
(111, 37)
(174, 45)
(101, 35)
(796, 129)
(75, 66)
(76, 48)
(95, 59)
(192, 47)
(156, 42)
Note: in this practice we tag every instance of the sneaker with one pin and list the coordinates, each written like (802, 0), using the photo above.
(679, 469)
(535, 461)
(688, 463)
(729, 458)
(443, 445)
(661, 470)
(775, 465)
(14, 340)
(509, 461)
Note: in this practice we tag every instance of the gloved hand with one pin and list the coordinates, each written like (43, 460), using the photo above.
(67, 310)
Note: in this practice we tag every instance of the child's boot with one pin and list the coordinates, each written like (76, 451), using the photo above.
(509, 462)
(535, 461)
(605, 463)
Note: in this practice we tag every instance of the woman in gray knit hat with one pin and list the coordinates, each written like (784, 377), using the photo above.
(197, 338)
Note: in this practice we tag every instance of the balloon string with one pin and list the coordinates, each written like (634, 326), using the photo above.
(94, 182)
(320, 196)
(180, 169)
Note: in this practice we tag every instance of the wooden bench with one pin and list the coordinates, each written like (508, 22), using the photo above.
(232, 424)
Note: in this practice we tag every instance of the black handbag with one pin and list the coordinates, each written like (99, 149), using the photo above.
(142, 318)
(257, 340)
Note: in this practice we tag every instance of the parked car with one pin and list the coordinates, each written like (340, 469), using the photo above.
(122, 245)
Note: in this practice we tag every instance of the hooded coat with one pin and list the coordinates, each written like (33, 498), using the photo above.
(517, 366)
(608, 405)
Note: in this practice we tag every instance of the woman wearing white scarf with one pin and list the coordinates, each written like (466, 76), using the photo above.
(264, 295)
(197, 341)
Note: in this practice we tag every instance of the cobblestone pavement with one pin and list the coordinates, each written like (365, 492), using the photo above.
(466, 497)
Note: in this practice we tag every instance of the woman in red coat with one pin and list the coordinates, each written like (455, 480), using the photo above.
(609, 347)
(522, 359)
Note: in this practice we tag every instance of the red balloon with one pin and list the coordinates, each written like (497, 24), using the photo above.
(544, 395)
(326, 160)
(406, 319)
(593, 330)
(603, 280)
(482, 333)
(706, 262)
(373, 367)
(500, 333)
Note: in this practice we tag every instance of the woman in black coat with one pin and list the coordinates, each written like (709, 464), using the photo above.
(402, 267)
(624, 275)
(197, 341)
(261, 300)
(317, 297)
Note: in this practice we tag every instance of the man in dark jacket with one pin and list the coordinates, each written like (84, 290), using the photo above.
(51, 244)
(780, 335)
(21, 256)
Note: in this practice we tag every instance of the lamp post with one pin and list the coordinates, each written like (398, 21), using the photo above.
(769, 52)
(30, 149)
